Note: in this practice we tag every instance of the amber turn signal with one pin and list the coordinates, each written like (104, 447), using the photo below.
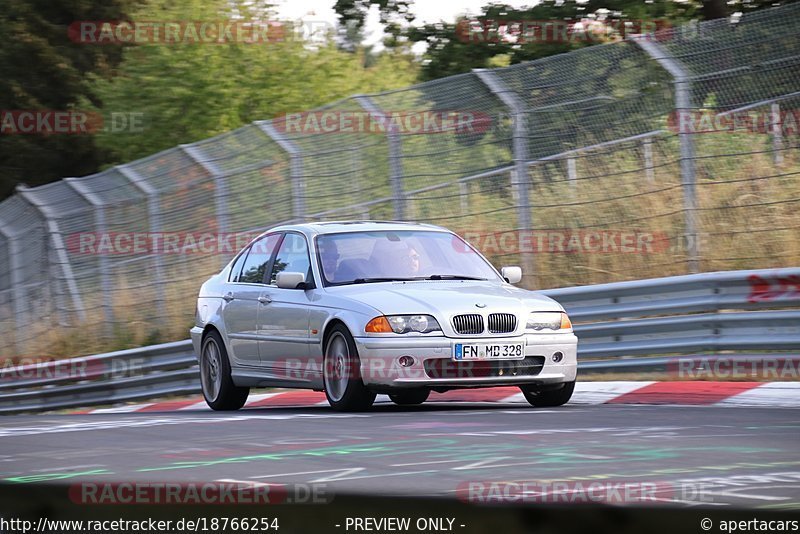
(378, 325)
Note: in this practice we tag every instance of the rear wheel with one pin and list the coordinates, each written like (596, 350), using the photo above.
(215, 376)
(543, 398)
(341, 371)
(411, 397)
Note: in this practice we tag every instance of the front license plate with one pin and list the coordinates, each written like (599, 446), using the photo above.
(489, 351)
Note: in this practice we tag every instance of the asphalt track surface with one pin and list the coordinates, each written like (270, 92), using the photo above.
(696, 455)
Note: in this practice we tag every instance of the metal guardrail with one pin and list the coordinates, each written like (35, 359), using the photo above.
(736, 311)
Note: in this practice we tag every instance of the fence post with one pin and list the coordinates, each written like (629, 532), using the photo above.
(16, 284)
(572, 173)
(649, 170)
(777, 133)
(463, 195)
(154, 223)
(102, 260)
(296, 171)
(196, 154)
(395, 155)
(59, 248)
(683, 104)
(520, 175)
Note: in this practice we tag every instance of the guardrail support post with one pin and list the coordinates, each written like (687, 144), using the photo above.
(59, 249)
(519, 184)
(395, 155)
(296, 172)
(154, 222)
(683, 104)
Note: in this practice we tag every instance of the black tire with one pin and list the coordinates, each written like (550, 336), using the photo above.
(411, 397)
(548, 398)
(341, 370)
(215, 376)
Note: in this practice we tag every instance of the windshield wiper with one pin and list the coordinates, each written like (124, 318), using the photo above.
(371, 280)
(451, 277)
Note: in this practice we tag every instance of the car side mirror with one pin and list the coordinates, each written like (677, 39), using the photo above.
(287, 280)
(513, 275)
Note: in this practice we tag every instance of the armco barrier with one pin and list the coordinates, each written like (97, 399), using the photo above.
(745, 312)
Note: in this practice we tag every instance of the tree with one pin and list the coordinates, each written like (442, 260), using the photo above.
(188, 92)
(44, 70)
(454, 49)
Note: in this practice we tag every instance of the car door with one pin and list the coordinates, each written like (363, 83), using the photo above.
(283, 320)
(242, 293)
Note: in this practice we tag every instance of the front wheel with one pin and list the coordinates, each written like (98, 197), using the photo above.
(341, 371)
(548, 398)
(215, 376)
(411, 397)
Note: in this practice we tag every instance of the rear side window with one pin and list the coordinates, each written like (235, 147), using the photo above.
(255, 266)
(237, 266)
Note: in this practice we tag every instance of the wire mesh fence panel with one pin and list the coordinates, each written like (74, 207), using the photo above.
(650, 157)
(447, 129)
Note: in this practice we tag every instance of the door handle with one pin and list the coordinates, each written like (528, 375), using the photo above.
(264, 299)
(228, 296)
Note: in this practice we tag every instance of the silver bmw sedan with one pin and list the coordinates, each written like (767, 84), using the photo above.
(360, 308)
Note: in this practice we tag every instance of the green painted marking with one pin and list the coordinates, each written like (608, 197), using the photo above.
(374, 449)
(55, 476)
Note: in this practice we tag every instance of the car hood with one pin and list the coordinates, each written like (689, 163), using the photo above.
(446, 298)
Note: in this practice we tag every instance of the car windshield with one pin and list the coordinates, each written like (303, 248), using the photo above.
(383, 256)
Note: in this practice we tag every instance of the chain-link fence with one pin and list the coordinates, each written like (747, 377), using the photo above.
(654, 156)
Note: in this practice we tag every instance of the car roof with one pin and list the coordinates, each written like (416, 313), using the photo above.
(335, 227)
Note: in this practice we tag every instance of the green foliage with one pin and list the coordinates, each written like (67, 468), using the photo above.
(189, 92)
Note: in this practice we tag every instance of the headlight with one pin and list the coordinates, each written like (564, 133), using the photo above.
(542, 321)
(403, 324)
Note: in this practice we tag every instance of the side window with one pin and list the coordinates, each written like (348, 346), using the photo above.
(292, 257)
(260, 253)
(237, 267)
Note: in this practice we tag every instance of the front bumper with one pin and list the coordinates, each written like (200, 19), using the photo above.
(380, 365)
